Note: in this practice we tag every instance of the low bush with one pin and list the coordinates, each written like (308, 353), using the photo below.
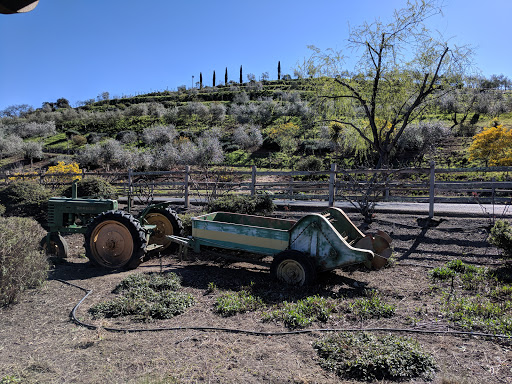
(79, 140)
(186, 221)
(22, 264)
(501, 237)
(363, 356)
(93, 187)
(25, 199)
(146, 297)
(310, 163)
(249, 205)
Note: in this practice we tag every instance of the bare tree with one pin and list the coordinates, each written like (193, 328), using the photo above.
(402, 67)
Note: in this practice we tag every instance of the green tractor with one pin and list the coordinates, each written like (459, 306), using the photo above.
(113, 238)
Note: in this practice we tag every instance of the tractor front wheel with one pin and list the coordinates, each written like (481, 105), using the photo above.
(293, 268)
(56, 247)
(115, 239)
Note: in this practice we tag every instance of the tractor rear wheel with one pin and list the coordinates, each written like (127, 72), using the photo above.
(167, 223)
(293, 268)
(115, 239)
(57, 247)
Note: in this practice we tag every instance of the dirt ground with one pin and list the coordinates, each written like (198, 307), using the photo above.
(40, 344)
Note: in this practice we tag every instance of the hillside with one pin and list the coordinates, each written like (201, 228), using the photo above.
(281, 123)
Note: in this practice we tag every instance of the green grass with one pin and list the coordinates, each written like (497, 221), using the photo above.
(10, 379)
(369, 357)
(371, 307)
(479, 313)
(303, 312)
(146, 297)
(58, 141)
(479, 299)
(232, 303)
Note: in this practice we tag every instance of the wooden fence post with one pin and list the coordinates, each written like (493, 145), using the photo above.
(432, 189)
(332, 184)
(187, 187)
(130, 189)
(253, 181)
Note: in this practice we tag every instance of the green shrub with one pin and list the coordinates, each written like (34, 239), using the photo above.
(501, 237)
(26, 199)
(469, 274)
(146, 297)
(186, 221)
(363, 356)
(79, 140)
(2, 210)
(22, 264)
(249, 205)
(93, 187)
(310, 163)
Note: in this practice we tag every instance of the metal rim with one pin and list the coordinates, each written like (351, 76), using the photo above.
(111, 243)
(163, 228)
(55, 247)
(291, 272)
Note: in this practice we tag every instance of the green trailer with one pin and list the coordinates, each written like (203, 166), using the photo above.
(300, 248)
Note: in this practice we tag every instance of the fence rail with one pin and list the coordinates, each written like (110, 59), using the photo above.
(460, 185)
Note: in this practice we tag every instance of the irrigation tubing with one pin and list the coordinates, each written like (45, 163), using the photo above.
(261, 333)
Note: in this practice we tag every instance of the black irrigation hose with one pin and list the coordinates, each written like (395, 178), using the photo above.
(259, 333)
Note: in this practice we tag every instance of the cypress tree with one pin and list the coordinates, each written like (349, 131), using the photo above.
(226, 77)
(241, 75)
(279, 70)
(214, 78)
(200, 80)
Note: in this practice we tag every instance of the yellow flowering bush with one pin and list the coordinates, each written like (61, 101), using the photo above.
(63, 173)
(29, 175)
(277, 132)
(493, 145)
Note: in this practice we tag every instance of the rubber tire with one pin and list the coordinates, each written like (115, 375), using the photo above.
(57, 243)
(130, 231)
(169, 218)
(293, 268)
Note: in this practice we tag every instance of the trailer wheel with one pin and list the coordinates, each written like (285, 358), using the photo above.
(58, 246)
(167, 223)
(115, 239)
(293, 268)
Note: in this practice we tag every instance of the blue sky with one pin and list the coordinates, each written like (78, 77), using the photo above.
(77, 49)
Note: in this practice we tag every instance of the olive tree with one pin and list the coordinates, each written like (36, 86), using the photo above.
(248, 136)
(32, 150)
(10, 145)
(401, 66)
(159, 135)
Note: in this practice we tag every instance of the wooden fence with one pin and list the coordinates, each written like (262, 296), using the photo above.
(433, 185)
